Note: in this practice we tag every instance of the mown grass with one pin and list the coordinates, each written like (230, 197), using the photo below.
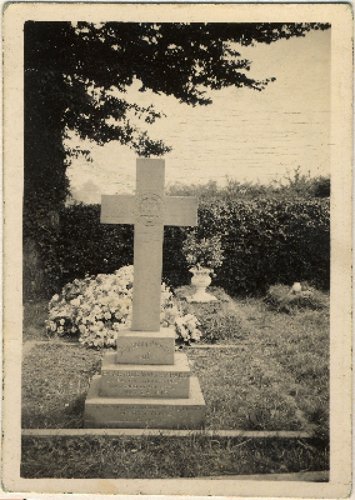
(275, 377)
(241, 390)
(159, 457)
(281, 298)
(299, 343)
(244, 391)
(55, 380)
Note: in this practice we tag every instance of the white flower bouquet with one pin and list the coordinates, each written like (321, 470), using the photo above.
(97, 308)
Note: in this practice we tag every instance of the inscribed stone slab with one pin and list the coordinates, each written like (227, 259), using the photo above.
(147, 348)
(145, 381)
(145, 412)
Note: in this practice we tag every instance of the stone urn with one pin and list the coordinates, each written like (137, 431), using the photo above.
(201, 279)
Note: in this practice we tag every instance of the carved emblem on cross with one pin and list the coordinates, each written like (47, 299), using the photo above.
(150, 208)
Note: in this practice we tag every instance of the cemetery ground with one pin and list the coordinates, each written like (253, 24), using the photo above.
(259, 369)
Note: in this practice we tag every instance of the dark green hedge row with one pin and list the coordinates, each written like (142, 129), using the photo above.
(271, 241)
(265, 241)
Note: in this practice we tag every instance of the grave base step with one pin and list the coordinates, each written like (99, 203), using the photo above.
(179, 413)
(145, 381)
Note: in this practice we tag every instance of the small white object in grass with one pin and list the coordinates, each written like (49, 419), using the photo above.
(296, 287)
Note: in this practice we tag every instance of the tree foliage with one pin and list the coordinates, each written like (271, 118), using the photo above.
(76, 77)
(73, 74)
(291, 186)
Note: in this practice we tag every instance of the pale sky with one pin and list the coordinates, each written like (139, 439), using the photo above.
(244, 134)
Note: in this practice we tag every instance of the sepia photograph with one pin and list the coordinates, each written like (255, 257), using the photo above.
(177, 250)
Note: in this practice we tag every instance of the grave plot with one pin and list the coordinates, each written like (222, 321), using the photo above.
(223, 400)
(261, 384)
(243, 388)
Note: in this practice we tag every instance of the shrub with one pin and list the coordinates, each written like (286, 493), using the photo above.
(296, 184)
(269, 241)
(96, 309)
(264, 242)
(205, 252)
(224, 326)
(321, 187)
(218, 320)
(89, 247)
(283, 299)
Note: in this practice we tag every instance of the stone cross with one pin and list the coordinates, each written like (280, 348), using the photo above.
(149, 210)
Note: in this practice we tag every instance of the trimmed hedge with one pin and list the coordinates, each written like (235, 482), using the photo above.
(271, 241)
(265, 241)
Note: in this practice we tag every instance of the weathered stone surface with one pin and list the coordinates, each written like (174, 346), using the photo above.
(145, 384)
(145, 412)
(145, 381)
(117, 209)
(149, 210)
(148, 348)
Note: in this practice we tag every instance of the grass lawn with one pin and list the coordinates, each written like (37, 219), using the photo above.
(159, 457)
(275, 377)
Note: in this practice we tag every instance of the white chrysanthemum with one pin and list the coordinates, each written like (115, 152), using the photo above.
(100, 307)
(82, 329)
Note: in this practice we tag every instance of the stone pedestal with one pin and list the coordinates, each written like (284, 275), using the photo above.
(145, 384)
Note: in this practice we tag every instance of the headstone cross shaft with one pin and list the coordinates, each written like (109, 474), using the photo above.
(149, 210)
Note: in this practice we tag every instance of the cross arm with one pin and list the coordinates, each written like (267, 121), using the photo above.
(180, 211)
(117, 209)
